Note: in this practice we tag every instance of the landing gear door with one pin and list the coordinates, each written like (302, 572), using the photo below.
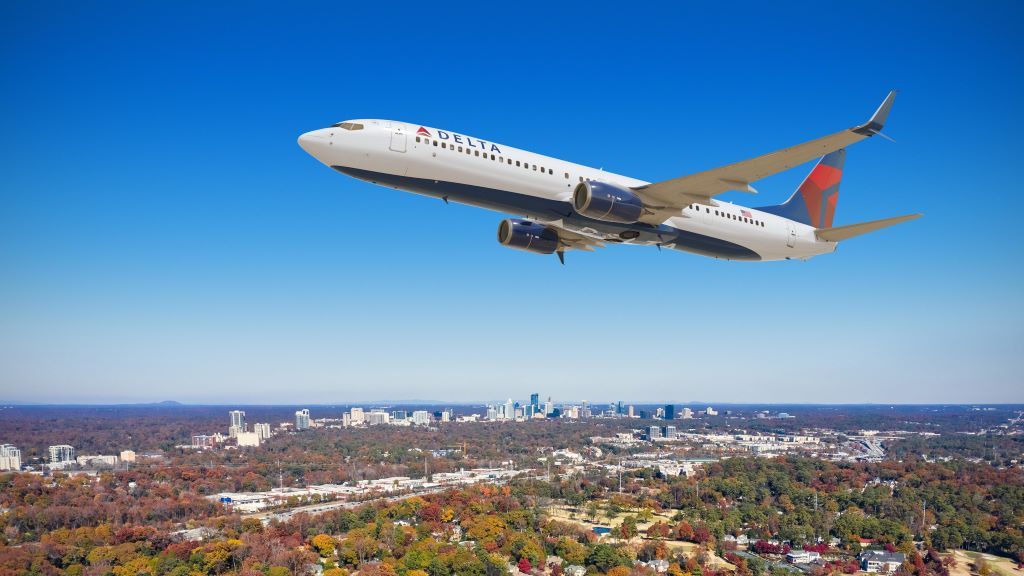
(397, 138)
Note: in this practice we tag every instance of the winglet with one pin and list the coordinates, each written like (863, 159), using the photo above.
(877, 121)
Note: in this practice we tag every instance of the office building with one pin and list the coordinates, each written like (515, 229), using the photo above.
(510, 410)
(248, 439)
(358, 417)
(549, 407)
(61, 453)
(302, 419)
(237, 423)
(204, 441)
(687, 414)
(711, 411)
(420, 417)
(262, 430)
(653, 432)
(128, 456)
(670, 411)
(378, 417)
(668, 431)
(535, 400)
(10, 457)
(399, 415)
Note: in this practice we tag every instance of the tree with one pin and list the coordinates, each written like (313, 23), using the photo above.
(524, 565)
(324, 545)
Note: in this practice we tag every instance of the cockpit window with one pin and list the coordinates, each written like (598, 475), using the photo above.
(348, 126)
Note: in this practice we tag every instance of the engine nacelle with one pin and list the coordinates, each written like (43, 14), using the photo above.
(607, 202)
(527, 235)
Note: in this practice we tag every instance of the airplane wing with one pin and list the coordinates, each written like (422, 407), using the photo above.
(699, 188)
(573, 241)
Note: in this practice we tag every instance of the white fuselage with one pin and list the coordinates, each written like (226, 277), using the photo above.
(465, 169)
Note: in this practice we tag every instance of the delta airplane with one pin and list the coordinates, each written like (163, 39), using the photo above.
(563, 206)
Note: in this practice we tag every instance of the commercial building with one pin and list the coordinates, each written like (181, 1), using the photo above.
(61, 453)
(10, 457)
(670, 411)
(421, 417)
(377, 417)
(302, 419)
(97, 461)
(204, 441)
(711, 411)
(687, 414)
(262, 429)
(128, 456)
(248, 439)
(358, 418)
(237, 423)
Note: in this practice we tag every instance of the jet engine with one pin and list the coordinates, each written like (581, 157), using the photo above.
(527, 235)
(607, 202)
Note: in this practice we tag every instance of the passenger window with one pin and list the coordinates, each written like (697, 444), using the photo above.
(476, 152)
(417, 139)
(492, 156)
(460, 148)
(435, 142)
(566, 175)
(534, 167)
(517, 163)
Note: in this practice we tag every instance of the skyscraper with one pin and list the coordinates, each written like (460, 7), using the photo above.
(420, 417)
(358, 417)
(237, 423)
(510, 409)
(302, 419)
(262, 429)
(535, 400)
(670, 411)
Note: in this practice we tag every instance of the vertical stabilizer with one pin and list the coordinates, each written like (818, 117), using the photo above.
(814, 202)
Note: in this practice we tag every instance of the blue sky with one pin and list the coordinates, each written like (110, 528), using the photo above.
(162, 236)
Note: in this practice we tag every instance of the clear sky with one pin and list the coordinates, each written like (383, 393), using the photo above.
(162, 235)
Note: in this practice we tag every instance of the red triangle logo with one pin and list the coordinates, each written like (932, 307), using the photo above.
(423, 132)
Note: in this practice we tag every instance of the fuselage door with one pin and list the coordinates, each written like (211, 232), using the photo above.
(790, 235)
(397, 138)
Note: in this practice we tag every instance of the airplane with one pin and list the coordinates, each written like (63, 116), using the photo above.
(562, 206)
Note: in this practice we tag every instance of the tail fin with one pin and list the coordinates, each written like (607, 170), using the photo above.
(814, 202)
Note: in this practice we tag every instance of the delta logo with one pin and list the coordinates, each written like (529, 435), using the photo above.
(460, 139)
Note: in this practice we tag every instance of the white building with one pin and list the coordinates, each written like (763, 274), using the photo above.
(128, 456)
(420, 417)
(377, 417)
(880, 561)
(302, 419)
(687, 414)
(262, 429)
(248, 439)
(97, 460)
(61, 453)
(711, 411)
(10, 457)
(358, 417)
(510, 411)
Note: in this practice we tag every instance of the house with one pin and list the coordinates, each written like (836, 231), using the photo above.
(575, 570)
(880, 561)
(660, 566)
(802, 557)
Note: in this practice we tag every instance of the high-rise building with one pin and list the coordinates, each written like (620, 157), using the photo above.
(510, 409)
(262, 429)
(61, 453)
(535, 400)
(128, 456)
(711, 411)
(399, 415)
(549, 407)
(377, 417)
(420, 417)
(687, 414)
(670, 411)
(237, 423)
(358, 417)
(653, 432)
(446, 415)
(629, 411)
(10, 457)
(668, 431)
(492, 413)
(302, 419)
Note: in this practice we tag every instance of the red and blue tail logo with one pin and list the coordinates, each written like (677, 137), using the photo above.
(814, 202)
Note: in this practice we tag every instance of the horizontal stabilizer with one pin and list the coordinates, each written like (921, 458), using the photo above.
(840, 233)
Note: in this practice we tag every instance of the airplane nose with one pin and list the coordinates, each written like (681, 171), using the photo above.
(315, 142)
